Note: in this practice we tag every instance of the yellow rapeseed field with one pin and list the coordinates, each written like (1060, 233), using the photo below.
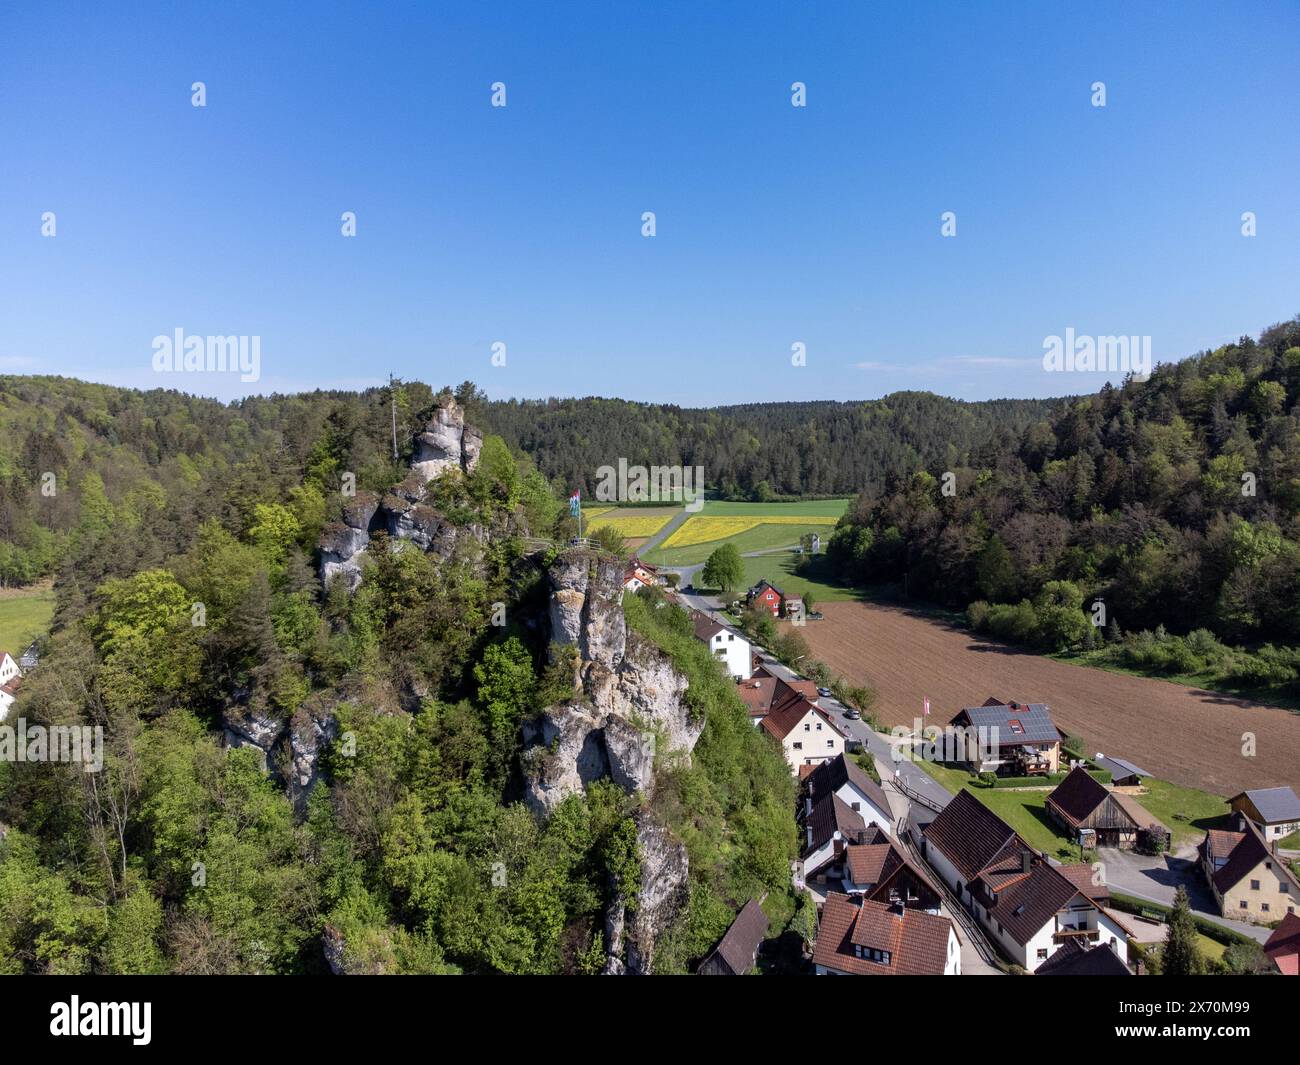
(634, 526)
(704, 529)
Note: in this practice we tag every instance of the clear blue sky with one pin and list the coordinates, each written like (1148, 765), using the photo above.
(522, 224)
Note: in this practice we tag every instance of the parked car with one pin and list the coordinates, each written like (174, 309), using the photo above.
(824, 692)
(852, 714)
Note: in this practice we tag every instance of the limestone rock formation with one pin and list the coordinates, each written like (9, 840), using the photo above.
(629, 700)
(628, 707)
(446, 443)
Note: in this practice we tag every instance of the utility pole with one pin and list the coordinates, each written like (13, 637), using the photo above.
(392, 400)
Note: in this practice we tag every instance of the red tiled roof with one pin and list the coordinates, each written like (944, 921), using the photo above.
(1244, 851)
(917, 942)
(1285, 940)
(1081, 876)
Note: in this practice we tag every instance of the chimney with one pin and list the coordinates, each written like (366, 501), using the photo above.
(1026, 859)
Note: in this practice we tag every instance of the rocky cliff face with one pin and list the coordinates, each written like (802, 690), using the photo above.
(627, 708)
(446, 443)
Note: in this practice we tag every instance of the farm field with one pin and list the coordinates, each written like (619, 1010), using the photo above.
(631, 522)
(1185, 735)
(24, 615)
(750, 526)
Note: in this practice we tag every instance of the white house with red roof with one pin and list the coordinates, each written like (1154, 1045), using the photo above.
(10, 679)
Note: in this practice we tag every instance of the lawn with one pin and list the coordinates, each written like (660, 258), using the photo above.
(779, 570)
(23, 617)
(819, 508)
(1025, 811)
(760, 537)
(1186, 811)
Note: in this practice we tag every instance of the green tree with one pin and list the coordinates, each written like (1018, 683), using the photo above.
(724, 568)
(1180, 956)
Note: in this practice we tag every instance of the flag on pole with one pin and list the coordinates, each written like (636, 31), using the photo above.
(927, 707)
(575, 503)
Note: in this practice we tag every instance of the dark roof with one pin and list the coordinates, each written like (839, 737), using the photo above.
(1078, 795)
(1030, 901)
(917, 941)
(705, 627)
(1015, 723)
(834, 774)
(1274, 804)
(968, 834)
(1073, 960)
(1119, 767)
(1285, 939)
(1244, 851)
(740, 943)
(830, 815)
(765, 583)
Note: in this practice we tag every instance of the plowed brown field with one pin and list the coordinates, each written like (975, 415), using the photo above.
(1186, 735)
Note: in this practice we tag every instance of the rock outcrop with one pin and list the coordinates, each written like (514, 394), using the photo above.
(628, 710)
(628, 703)
(446, 443)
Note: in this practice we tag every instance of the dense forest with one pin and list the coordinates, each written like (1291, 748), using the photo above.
(763, 450)
(1157, 523)
(181, 534)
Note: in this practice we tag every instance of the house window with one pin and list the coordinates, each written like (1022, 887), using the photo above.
(1042, 953)
(807, 727)
(1244, 904)
(798, 746)
(831, 744)
(1264, 906)
(819, 726)
(1254, 885)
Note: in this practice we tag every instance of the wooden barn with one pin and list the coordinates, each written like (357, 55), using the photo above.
(1080, 802)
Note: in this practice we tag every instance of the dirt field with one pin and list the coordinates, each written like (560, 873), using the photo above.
(1186, 735)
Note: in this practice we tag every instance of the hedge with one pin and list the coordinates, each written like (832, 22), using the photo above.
(1211, 930)
(1052, 779)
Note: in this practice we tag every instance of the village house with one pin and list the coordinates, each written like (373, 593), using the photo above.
(11, 678)
(878, 869)
(726, 645)
(737, 951)
(638, 575)
(1021, 736)
(1274, 811)
(805, 731)
(858, 937)
(1081, 804)
(767, 596)
(828, 826)
(1249, 880)
(1283, 946)
(1027, 905)
(843, 776)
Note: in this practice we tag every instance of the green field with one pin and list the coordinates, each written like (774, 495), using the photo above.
(759, 537)
(23, 617)
(1185, 811)
(779, 570)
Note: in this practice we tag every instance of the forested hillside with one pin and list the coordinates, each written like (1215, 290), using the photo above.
(763, 450)
(1175, 502)
(298, 778)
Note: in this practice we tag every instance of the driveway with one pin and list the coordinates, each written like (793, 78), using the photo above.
(1158, 878)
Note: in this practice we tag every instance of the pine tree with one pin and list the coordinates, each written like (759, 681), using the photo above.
(1180, 956)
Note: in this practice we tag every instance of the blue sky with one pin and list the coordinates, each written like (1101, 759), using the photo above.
(522, 224)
